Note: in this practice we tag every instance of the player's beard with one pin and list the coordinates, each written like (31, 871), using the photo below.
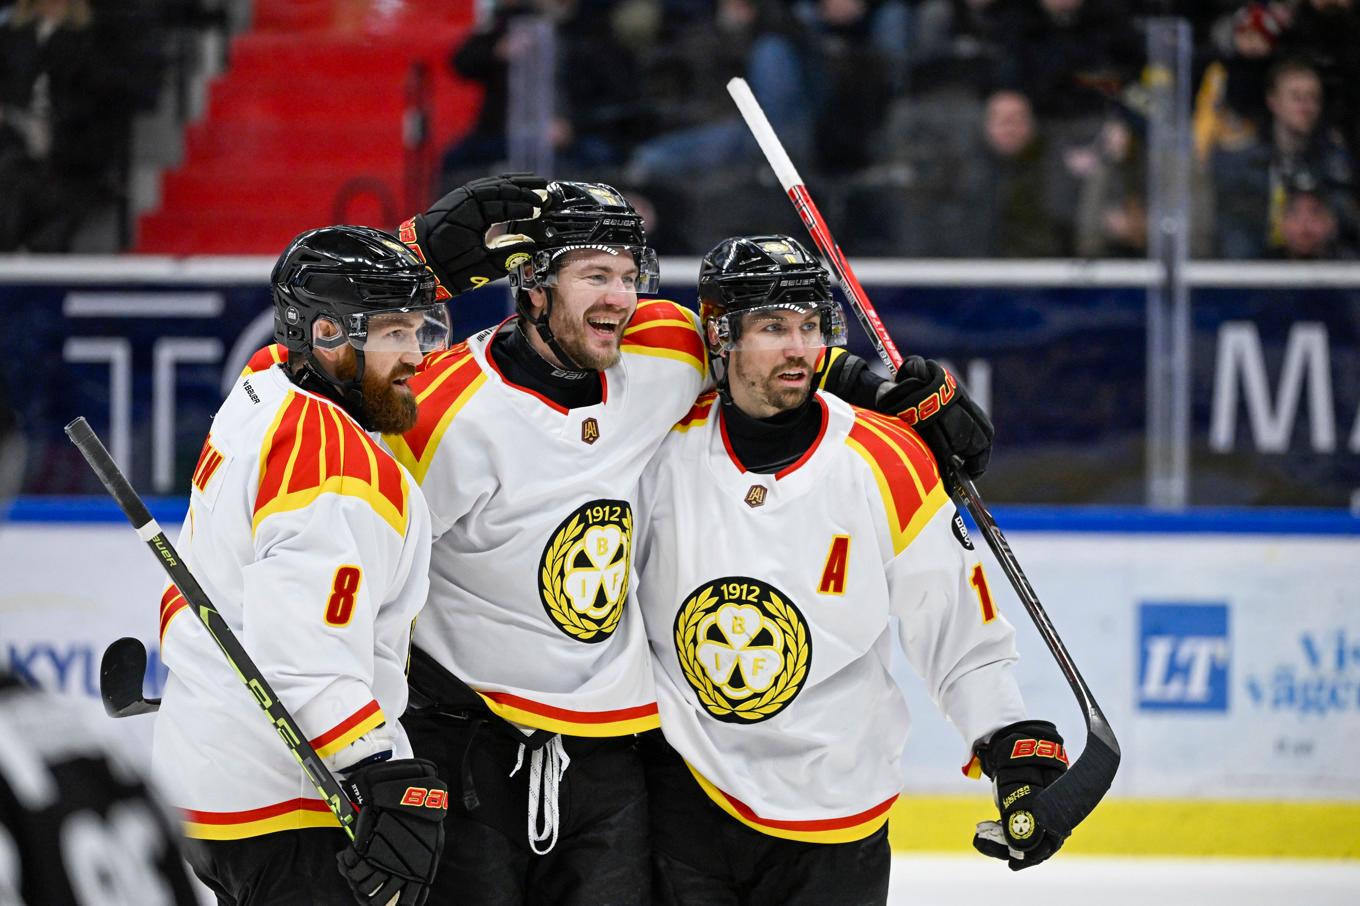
(572, 334)
(384, 407)
(767, 388)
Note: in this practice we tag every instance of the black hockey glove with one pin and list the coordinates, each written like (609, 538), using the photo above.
(399, 834)
(451, 236)
(1021, 759)
(927, 397)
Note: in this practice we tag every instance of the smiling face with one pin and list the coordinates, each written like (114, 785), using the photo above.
(594, 298)
(771, 372)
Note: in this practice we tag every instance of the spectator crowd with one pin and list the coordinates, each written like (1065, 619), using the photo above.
(938, 128)
(927, 128)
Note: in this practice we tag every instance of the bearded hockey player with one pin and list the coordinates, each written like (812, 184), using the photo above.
(314, 544)
(530, 677)
(780, 530)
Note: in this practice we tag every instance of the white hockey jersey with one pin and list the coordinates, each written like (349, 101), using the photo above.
(313, 543)
(534, 516)
(767, 599)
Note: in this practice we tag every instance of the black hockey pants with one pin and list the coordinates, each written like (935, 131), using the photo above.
(701, 856)
(600, 857)
(288, 868)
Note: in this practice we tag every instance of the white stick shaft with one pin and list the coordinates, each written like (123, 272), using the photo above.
(764, 134)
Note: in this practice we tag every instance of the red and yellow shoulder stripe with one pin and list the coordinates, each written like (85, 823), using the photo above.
(443, 386)
(662, 328)
(313, 448)
(617, 722)
(846, 829)
(265, 358)
(699, 413)
(904, 469)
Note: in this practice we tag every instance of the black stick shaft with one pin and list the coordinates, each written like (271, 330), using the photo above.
(90, 446)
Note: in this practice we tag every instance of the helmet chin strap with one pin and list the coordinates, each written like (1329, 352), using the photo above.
(348, 394)
(568, 366)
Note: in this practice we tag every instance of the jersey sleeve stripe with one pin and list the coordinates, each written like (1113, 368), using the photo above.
(314, 450)
(348, 730)
(617, 722)
(821, 830)
(293, 814)
(172, 604)
(910, 497)
(698, 415)
(450, 386)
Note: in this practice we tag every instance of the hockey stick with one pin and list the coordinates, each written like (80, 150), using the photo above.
(1063, 805)
(148, 530)
(121, 672)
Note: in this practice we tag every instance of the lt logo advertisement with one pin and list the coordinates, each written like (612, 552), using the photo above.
(743, 647)
(583, 575)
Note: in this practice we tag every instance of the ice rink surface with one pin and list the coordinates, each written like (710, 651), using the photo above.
(957, 880)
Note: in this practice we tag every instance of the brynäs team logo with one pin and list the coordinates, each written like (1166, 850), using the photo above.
(583, 574)
(743, 647)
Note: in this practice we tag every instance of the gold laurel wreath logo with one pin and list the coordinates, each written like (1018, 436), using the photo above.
(781, 691)
(553, 575)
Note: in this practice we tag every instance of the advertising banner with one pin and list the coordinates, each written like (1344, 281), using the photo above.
(146, 353)
(1228, 664)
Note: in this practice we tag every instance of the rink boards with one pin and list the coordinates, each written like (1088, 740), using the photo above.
(1224, 647)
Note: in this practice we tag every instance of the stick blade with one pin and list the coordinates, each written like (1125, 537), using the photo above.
(121, 673)
(1066, 802)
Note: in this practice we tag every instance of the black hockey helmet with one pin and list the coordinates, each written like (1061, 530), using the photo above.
(748, 275)
(582, 215)
(576, 216)
(351, 276)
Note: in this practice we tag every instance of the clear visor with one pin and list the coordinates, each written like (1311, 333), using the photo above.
(421, 330)
(643, 277)
(781, 327)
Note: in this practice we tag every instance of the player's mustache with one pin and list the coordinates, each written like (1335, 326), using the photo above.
(791, 365)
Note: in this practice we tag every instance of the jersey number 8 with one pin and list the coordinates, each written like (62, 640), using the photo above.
(340, 606)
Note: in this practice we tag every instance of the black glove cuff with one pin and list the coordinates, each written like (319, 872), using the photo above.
(409, 786)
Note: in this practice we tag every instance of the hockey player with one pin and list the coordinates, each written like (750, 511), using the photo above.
(780, 530)
(314, 544)
(529, 445)
(531, 679)
(78, 825)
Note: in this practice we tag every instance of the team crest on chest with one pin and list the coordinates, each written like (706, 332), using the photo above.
(744, 648)
(583, 574)
(590, 430)
(756, 496)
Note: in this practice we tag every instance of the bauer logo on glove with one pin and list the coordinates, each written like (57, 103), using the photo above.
(933, 401)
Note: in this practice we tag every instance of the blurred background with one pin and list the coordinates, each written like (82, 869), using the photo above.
(1130, 227)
